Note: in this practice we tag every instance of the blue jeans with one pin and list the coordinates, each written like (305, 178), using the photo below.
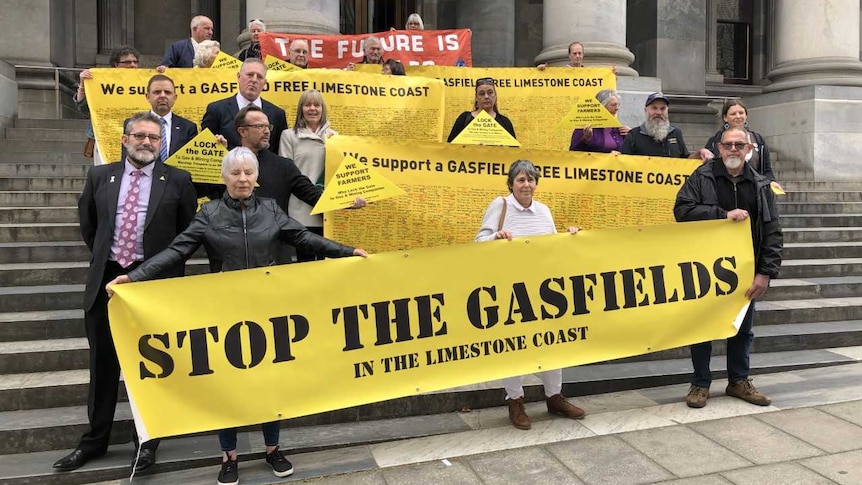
(738, 350)
(227, 437)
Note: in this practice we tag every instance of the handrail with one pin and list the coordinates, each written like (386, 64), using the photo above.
(57, 110)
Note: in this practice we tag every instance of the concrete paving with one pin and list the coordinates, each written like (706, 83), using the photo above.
(811, 434)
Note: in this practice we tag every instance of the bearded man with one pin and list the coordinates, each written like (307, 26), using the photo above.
(730, 188)
(656, 137)
(129, 211)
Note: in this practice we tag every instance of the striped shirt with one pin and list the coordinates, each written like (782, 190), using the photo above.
(535, 220)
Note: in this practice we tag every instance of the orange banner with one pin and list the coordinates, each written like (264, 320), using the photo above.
(411, 47)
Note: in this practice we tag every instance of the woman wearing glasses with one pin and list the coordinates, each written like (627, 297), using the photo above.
(735, 115)
(255, 28)
(239, 231)
(305, 144)
(486, 100)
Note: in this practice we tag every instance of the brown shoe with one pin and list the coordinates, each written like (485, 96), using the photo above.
(697, 396)
(746, 391)
(517, 414)
(558, 405)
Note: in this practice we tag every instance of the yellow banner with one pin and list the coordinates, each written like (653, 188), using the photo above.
(252, 346)
(536, 101)
(359, 104)
(449, 187)
(224, 60)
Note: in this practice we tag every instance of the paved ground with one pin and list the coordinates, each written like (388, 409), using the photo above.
(812, 434)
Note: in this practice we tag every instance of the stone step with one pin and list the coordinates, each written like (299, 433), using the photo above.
(46, 390)
(821, 220)
(808, 310)
(51, 124)
(818, 185)
(57, 198)
(822, 234)
(45, 168)
(41, 252)
(821, 250)
(43, 158)
(823, 196)
(26, 215)
(43, 355)
(805, 288)
(783, 176)
(819, 207)
(29, 431)
(41, 298)
(40, 325)
(42, 183)
(36, 232)
(23, 146)
(65, 272)
(819, 268)
(50, 134)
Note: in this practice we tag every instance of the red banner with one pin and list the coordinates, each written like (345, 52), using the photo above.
(411, 47)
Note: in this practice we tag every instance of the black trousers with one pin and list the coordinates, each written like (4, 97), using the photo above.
(104, 370)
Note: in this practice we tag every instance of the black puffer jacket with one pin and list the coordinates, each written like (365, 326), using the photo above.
(697, 200)
(238, 235)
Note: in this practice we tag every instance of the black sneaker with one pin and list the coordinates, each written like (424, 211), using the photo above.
(229, 474)
(280, 466)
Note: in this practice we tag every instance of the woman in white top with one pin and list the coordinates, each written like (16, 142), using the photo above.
(305, 144)
(516, 215)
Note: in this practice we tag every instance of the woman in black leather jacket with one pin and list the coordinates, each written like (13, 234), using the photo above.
(240, 231)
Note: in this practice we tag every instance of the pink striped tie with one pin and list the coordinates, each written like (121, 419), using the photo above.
(129, 226)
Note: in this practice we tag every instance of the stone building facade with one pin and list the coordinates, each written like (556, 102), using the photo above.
(795, 63)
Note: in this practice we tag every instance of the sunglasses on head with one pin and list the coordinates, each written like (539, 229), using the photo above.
(485, 80)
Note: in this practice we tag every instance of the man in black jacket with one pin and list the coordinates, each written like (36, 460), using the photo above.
(729, 188)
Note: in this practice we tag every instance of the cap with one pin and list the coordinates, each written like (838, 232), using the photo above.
(654, 96)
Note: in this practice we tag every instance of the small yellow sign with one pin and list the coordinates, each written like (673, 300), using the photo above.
(588, 111)
(275, 64)
(354, 179)
(777, 190)
(201, 157)
(484, 130)
(224, 60)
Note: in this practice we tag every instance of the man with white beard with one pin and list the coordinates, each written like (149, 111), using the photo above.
(729, 188)
(656, 137)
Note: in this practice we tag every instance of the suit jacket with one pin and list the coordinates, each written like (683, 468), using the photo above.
(219, 119)
(171, 208)
(179, 54)
(182, 132)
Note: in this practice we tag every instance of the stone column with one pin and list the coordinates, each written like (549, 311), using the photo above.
(292, 16)
(600, 25)
(493, 26)
(816, 43)
(712, 74)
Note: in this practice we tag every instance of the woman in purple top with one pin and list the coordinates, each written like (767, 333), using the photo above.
(604, 140)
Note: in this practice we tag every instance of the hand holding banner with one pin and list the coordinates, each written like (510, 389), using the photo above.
(484, 130)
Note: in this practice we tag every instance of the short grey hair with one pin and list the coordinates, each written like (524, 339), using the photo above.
(414, 17)
(258, 22)
(368, 39)
(138, 117)
(197, 20)
(205, 53)
(605, 95)
(236, 157)
(519, 166)
(741, 130)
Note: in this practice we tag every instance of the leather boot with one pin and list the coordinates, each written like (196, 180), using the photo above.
(517, 414)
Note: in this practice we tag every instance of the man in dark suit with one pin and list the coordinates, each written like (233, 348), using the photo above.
(162, 95)
(129, 211)
(219, 116)
(182, 52)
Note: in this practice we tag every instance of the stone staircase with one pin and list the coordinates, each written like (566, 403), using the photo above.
(812, 316)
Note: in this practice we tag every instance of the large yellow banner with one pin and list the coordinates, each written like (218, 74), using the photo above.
(536, 101)
(449, 187)
(252, 346)
(358, 103)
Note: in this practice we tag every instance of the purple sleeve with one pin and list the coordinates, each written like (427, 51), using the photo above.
(578, 143)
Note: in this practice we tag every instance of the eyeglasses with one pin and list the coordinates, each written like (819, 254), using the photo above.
(730, 145)
(144, 136)
(128, 63)
(485, 80)
(299, 51)
(260, 126)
